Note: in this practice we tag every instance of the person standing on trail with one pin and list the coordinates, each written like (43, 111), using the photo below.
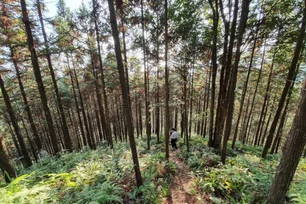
(173, 138)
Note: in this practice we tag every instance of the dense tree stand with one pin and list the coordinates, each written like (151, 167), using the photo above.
(292, 153)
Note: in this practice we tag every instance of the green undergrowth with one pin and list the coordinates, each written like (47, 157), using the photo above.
(245, 178)
(156, 173)
(93, 176)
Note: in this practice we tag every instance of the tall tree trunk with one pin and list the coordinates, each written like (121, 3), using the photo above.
(214, 71)
(224, 95)
(157, 113)
(68, 142)
(106, 121)
(25, 100)
(122, 17)
(146, 81)
(234, 72)
(185, 107)
(38, 76)
(191, 100)
(175, 117)
(290, 77)
(27, 159)
(219, 123)
(167, 92)
(125, 97)
(136, 115)
(140, 116)
(292, 150)
(199, 114)
(206, 111)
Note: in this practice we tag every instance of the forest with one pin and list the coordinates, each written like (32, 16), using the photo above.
(90, 98)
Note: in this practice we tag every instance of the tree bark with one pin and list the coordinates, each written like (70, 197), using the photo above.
(125, 97)
(140, 116)
(6, 164)
(136, 115)
(167, 92)
(185, 107)
(191, 100)
(234, 72)
(157, 113)
(68, 142)
(146, 81)
(25, 100)
(213, 76)
(223, 103)
(38, 76)
(105, 117)
(206, 111)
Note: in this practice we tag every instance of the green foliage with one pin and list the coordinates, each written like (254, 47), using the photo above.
(148, 193)
(83, 177)
(297, 190)
(246, 177)
(106, 176)
(156, 174)
(93, 176)
(102, 193)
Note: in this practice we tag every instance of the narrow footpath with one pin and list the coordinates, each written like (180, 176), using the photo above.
(181, 183)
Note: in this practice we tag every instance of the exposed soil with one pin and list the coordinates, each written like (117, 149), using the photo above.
(181, 183)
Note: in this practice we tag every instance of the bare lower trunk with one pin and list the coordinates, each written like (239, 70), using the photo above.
(6, 164)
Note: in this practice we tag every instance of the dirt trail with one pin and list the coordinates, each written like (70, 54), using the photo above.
(181, 183)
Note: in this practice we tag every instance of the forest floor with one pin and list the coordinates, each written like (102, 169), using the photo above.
(107, 176)
(180, 188)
